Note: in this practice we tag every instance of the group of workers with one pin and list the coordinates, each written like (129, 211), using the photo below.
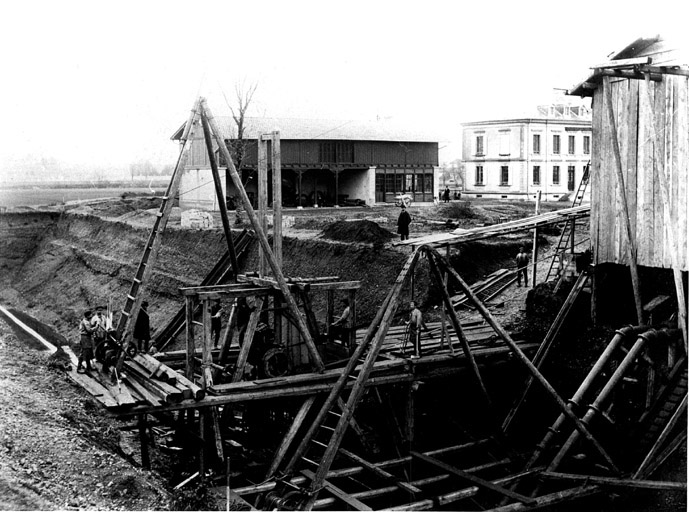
(96, 328)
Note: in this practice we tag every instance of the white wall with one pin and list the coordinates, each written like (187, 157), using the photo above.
(197, 190)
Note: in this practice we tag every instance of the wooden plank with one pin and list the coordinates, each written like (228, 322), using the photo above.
(632, 110)
(338, 493)
(631, 240)
(596, 182)
(147, 395)
(197, 392)
(658, 214)
(235, 290)
(485, 484)
(190, 341)
(262, 165)
(380, 472)
(681, 162)
(290, 435)
(645, 173)
(616, 482)
(276, 167)
(93, 388)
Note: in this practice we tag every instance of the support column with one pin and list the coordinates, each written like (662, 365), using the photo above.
(534, 251)
(277, 196)
(410, 413)
(143, 439)
(191, 346)
(262, 199)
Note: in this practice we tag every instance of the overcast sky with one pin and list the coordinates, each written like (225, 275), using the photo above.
(108, 82)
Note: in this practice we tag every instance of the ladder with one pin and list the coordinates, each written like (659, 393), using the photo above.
(125, 324)
(319, 445)
(567, 234)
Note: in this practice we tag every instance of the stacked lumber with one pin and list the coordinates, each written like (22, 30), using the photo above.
(144, 381)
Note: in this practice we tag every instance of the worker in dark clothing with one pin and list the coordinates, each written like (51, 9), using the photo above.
(522, 266)
(142, 328)
(446, 195)
(403, 222)
(341, 328)
(86, 342)
(216, 323)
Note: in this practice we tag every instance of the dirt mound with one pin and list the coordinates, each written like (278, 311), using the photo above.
(356, 231)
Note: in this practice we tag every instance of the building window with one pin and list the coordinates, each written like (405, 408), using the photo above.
(504, 143)
(504, 175)
(570, 145)
(479, 175)
(537, 144)
(536, 174)
(556, 144)
(587, 144)
(556, 174)
(337, 152)
(479, 145)
(570, 177)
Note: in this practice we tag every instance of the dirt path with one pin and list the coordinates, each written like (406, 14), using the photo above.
(57, 449)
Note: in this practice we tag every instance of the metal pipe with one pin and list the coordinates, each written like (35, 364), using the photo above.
(620, 335)
(607, 390)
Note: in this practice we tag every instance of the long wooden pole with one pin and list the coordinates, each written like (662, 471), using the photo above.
(669, 228)
(631, 239)
(263, 240)
(262, 199)
(221, 197)
(534, 251)
(503, 334)
(277, 196)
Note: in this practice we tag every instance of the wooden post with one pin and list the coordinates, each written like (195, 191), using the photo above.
(221, 197)
(631, 240)
(290, 435)
(206, 346)
(337, 187)
(143, 439)
(329, 311)
(299, 173)
(202, 436)
(460, 333)
(669, 230)
(351, 342)
(534, 251)
(504, 335)
(263, 240)
(410, 413)
(248, 340)
(262, 199)
(191, 344)
(226, 341)
(277, 196)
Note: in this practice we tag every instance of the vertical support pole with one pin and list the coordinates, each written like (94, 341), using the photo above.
(631, 240)
(534, 251)
(277, 196)
(143, 438)
(410, 413)
(352, 311)
(191, 345)
(202, 436)
(262, 199)
(329, 311)
(337, 187)
(299, 173)
(207, 356)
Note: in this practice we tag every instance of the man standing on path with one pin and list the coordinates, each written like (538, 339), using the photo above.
(403, 222)
(522, 266)
(86, 341)
(416, 323)
(142, 328)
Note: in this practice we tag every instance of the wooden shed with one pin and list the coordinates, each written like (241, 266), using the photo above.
(640, 168)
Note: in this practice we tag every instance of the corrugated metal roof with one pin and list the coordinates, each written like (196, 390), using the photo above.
(323, 129)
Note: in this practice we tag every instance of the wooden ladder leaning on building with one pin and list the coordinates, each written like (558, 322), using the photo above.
(125, 324)
(567, 234)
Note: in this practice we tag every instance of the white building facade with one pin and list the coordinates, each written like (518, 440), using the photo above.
(517, 158)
